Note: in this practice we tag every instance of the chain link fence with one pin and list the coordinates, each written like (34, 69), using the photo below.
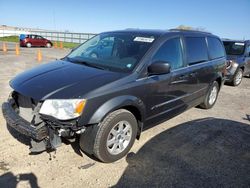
(53, 36)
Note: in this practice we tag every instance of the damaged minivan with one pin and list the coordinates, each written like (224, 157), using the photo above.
(107, 90)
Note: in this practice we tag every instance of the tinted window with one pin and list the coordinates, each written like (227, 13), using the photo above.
(196, 50)
(171, 52)
(215, 48)
(234, 48)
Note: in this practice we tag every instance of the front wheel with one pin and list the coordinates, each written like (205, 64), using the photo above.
(211, 96)
(237, 77)
(115, 136)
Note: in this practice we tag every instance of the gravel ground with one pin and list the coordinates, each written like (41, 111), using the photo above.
(199, 148)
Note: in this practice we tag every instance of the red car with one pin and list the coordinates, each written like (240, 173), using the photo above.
(34, 40)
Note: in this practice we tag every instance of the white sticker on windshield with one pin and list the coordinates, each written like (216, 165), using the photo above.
(144, 39)
(239, 43)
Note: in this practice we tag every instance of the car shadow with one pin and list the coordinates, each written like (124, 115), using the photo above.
(11, 181)
(202, 153)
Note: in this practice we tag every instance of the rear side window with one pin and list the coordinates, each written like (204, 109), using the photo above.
(170, 51)
(196, 48)
(215, 48)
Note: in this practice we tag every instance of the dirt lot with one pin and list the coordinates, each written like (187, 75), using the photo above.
(199, 148)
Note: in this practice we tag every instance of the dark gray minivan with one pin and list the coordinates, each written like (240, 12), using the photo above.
(106, 91)
(238, 60)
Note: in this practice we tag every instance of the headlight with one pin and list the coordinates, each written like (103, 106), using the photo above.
(229, 64)
(63, 109)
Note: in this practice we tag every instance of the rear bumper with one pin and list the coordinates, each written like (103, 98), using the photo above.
(21, 125)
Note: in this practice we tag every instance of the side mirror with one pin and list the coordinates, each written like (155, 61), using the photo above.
(159, 67)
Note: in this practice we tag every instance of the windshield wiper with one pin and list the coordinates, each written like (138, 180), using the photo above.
(73, 60)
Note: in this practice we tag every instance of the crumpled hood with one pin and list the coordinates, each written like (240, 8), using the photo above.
(61, 80)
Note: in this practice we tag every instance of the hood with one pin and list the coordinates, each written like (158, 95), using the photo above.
(61, 80)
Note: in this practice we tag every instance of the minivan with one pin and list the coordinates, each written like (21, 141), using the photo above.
(105, 101)
(238, 60)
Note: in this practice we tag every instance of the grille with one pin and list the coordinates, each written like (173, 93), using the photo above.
(26, 106)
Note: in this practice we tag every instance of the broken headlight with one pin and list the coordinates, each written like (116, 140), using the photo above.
(63, 109)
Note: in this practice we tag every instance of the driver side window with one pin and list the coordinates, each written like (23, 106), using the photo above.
(171, 52)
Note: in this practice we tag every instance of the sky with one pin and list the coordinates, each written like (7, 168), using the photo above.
(225, 18)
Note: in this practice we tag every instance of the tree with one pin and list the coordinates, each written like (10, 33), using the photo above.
(184, 27)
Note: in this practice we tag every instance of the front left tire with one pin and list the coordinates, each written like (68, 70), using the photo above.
(115, 136)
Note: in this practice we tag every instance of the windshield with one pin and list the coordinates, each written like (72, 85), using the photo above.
(113, 51)
(234, 48)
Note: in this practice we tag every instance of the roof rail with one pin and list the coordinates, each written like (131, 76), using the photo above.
(189, 30)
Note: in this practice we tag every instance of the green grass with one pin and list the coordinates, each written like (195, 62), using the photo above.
(10, 39)
(68, 44)
(16, 39)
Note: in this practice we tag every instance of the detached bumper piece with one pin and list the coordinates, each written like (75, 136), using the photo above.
(42, 138)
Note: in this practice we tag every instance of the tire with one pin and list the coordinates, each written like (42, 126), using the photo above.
(48, 45)
(111, 130)
(238, 76)
(28, 45)
(211, 96)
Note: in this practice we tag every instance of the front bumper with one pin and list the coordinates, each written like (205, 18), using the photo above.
(42, 137)
(38, 132)
(229, 78)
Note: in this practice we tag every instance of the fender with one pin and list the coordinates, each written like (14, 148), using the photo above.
(116, 103)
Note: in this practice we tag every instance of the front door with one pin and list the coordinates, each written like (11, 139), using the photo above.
(169, 94)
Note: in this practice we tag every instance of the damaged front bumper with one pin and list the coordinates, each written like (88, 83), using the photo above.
(42, 137)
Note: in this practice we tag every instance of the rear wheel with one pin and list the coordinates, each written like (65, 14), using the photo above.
(28, 45)
(237, 77)
(115, 136)
(211, 96)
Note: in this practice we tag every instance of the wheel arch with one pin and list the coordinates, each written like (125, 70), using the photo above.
(219, 80)
(130, 103)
